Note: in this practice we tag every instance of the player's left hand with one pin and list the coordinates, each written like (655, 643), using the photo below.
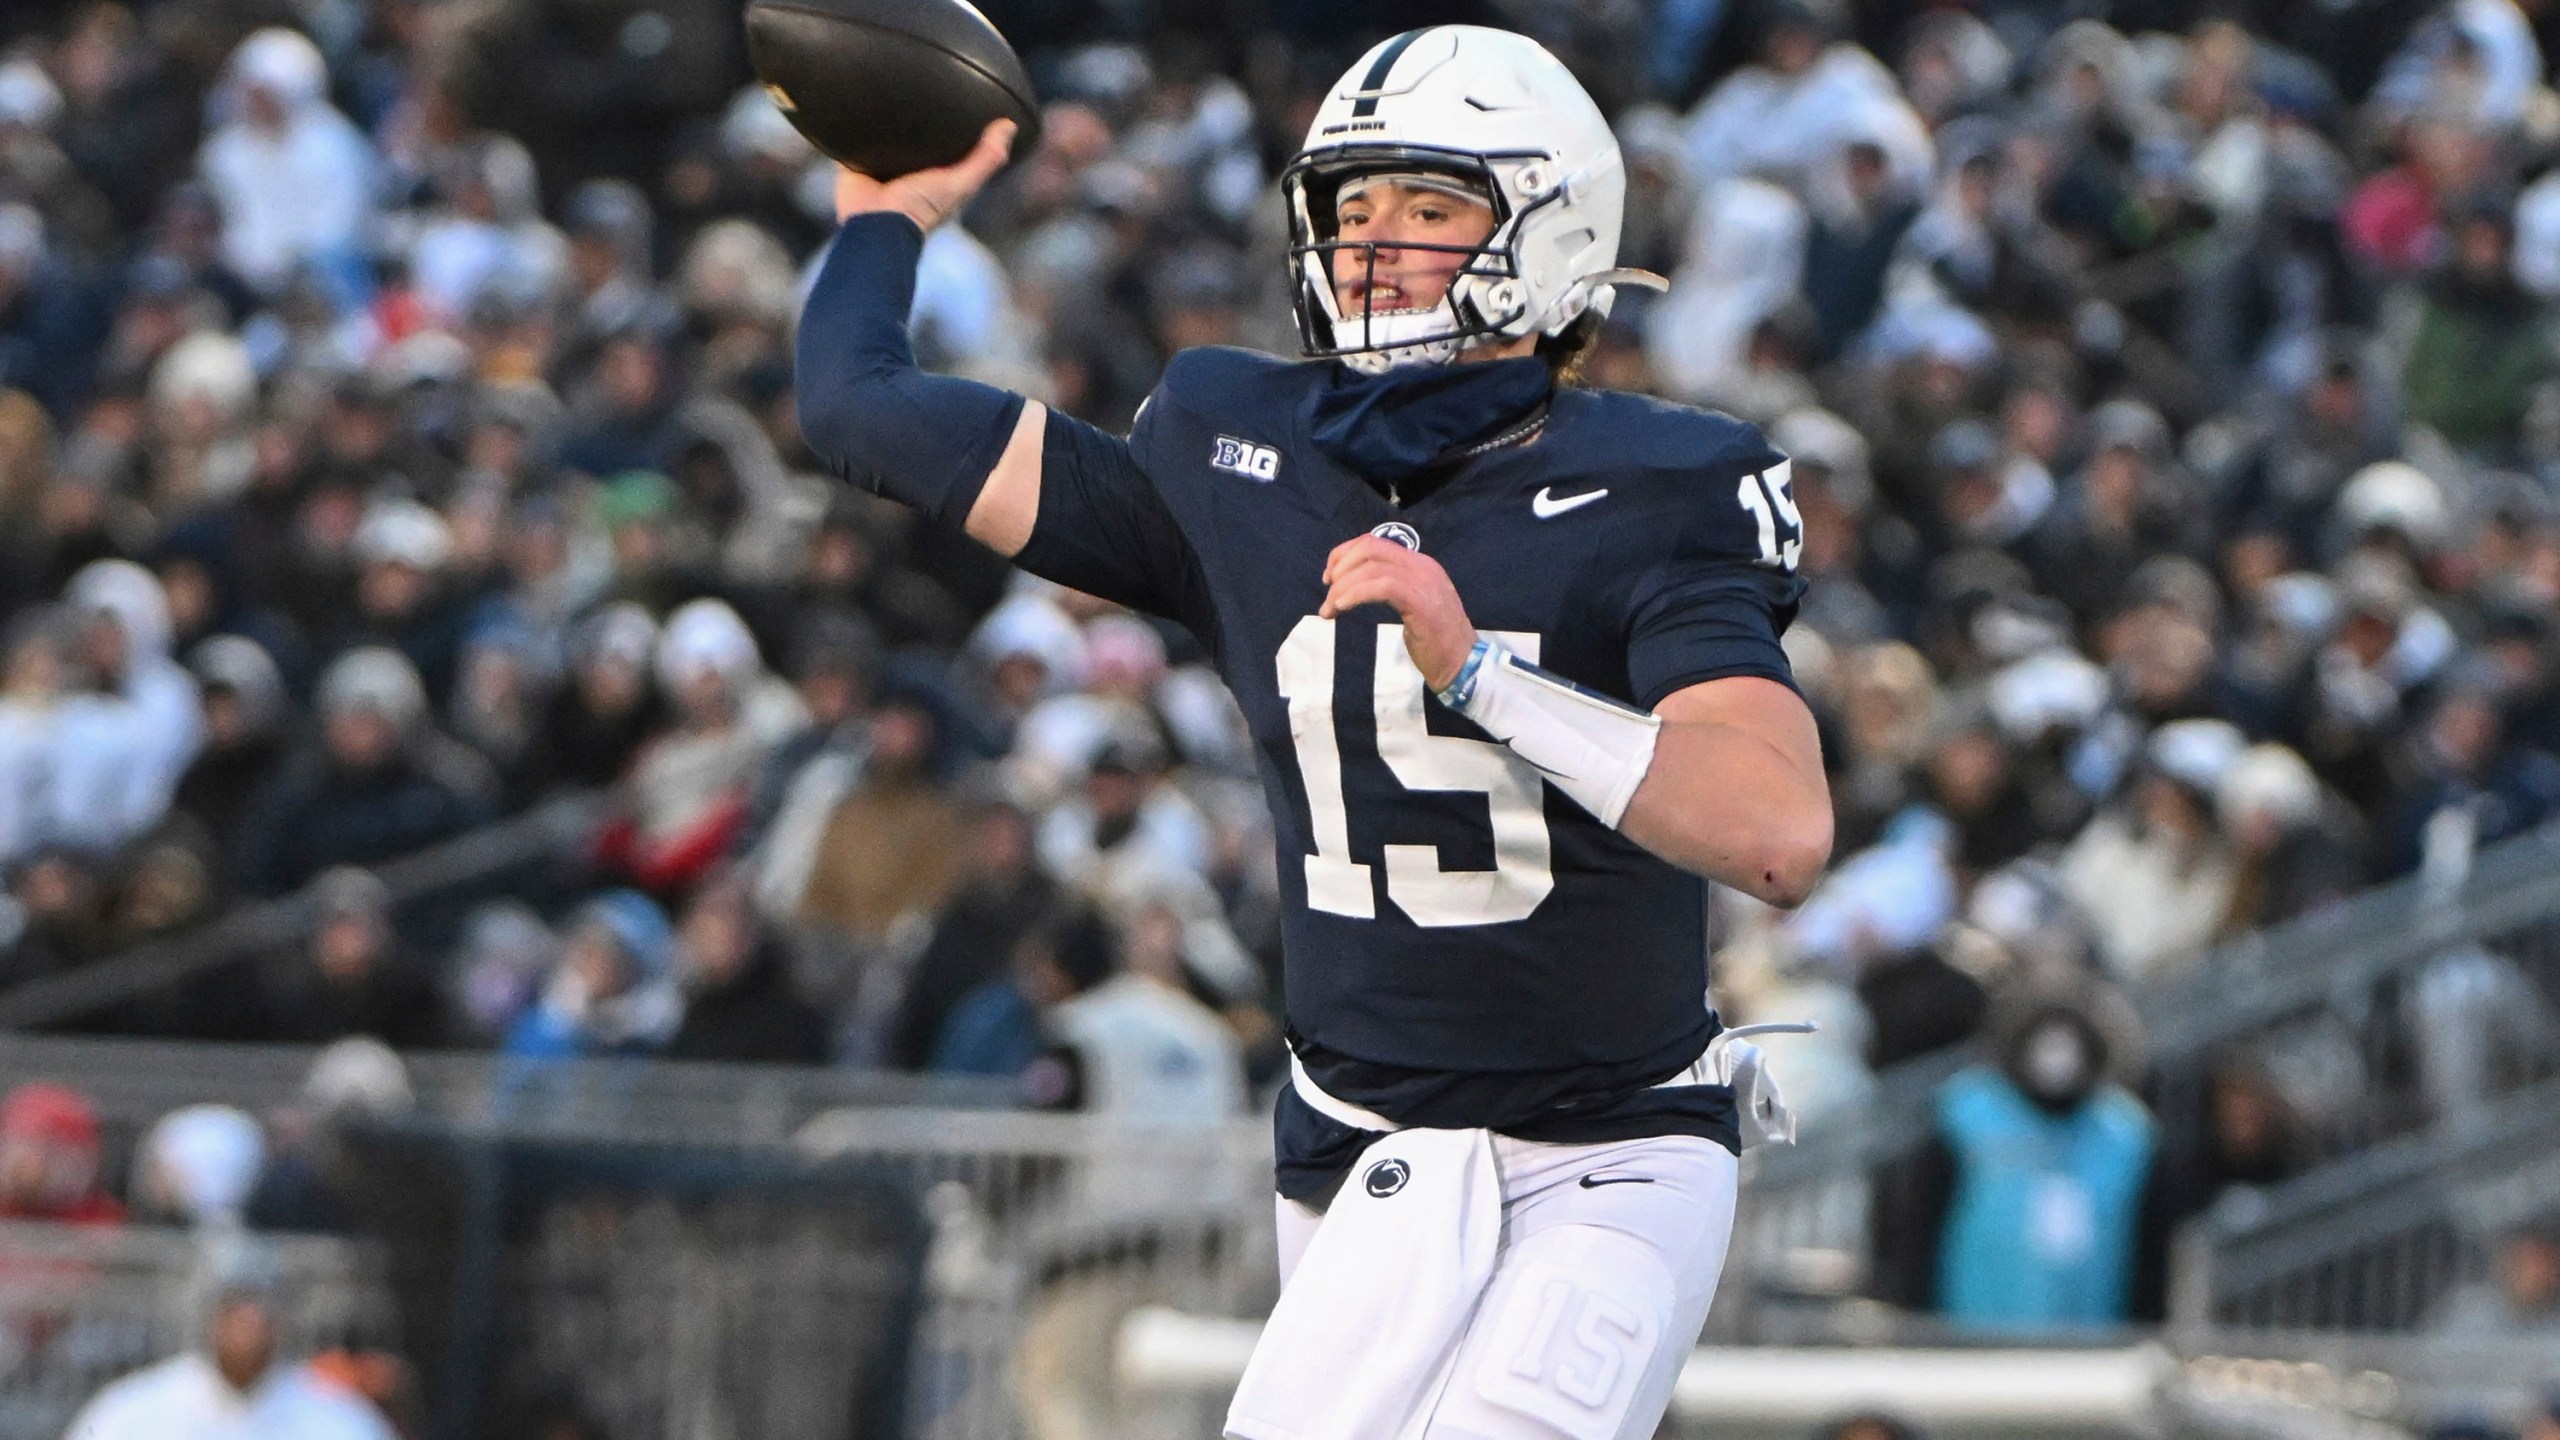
(1437, 633)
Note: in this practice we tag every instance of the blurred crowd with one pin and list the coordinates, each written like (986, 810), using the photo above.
(396, 433)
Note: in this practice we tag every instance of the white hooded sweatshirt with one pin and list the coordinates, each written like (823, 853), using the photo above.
(301, 192)
(123, 748)
(185, 1398)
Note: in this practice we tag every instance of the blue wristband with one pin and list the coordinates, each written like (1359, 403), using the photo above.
(1462, 688)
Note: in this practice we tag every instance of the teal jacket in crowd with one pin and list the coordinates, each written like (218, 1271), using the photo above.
(2040, 1230)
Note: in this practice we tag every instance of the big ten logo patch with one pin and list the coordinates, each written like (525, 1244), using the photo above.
(1243, 457)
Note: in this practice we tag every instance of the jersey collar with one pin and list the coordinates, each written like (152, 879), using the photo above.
(1391, 429)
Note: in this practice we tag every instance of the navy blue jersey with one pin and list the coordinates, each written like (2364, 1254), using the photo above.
(1447, 914)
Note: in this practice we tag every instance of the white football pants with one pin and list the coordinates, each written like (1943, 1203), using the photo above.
(1605, 1270)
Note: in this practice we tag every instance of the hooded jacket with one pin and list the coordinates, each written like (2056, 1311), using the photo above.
(569, 1021)
(296, 194)
(124, 746)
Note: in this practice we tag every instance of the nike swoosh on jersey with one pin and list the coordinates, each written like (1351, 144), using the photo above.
(1546, 507)
(1594, 1182)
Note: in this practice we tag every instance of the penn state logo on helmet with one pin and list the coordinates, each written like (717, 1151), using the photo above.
(1489, 115)
(1386, 1178)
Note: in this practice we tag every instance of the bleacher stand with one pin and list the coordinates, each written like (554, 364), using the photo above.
(420, 618)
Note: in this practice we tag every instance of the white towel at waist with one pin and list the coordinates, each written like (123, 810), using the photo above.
(1371, 1318)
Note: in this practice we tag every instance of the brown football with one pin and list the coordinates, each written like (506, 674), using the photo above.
(890, 86)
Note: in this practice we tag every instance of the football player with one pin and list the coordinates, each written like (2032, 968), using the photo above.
(1509, 650)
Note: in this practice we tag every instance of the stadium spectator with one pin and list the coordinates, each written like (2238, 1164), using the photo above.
(876, 850)
(309, 1183)
(497, 971)
(2460, 772)
(1145, 1048)
(2154, 872)
(487, 238)
(2246, 1135)
(1813, 97)
(128, 736)
(1003, 894)
(614, 990)
(45, 339)
(1130, 823)
(1001, 1027)
(739, 1001)
(32, 691)
(2297, 847)
(688, 786)
(401, 549)
(605, 710)
(500, 687)
(835, 670)
(294, 177)
(351, 977)
(2026, 1210)
(853, 564)
(384, 781)
(609, 226)
(197, 1166)
(246, 713)
(237, 1384)
(2480, 347)
(49, 1158)
(2521, 1295)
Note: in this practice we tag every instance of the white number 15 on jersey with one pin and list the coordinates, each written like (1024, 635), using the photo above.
(1337, 884)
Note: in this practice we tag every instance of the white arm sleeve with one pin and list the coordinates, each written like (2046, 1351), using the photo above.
(1589, 746)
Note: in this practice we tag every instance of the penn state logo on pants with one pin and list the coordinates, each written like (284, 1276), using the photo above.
(1401, 533)
(1386, 1178)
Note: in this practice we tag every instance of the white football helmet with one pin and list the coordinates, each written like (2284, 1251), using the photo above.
(1497, 113)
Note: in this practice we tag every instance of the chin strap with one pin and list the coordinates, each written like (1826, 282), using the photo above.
(1442, 344)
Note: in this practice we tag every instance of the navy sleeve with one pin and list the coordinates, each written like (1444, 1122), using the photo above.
(1722, 621)
(930, 440)
(1105, 530)
(875, 419)
(1717, 604)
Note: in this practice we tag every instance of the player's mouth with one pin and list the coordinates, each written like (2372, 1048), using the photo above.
(1382, 297)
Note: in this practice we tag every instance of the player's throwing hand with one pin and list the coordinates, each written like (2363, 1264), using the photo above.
(928, 197)
(1437, 632)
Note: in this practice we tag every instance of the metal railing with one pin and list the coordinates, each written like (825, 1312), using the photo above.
(454, 872)
(2406, 1005)
(1048, 1231)
(81, 1305)
(133, 1082)
(1062, 1341)
(2380, 1243)
(1045, 1231)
